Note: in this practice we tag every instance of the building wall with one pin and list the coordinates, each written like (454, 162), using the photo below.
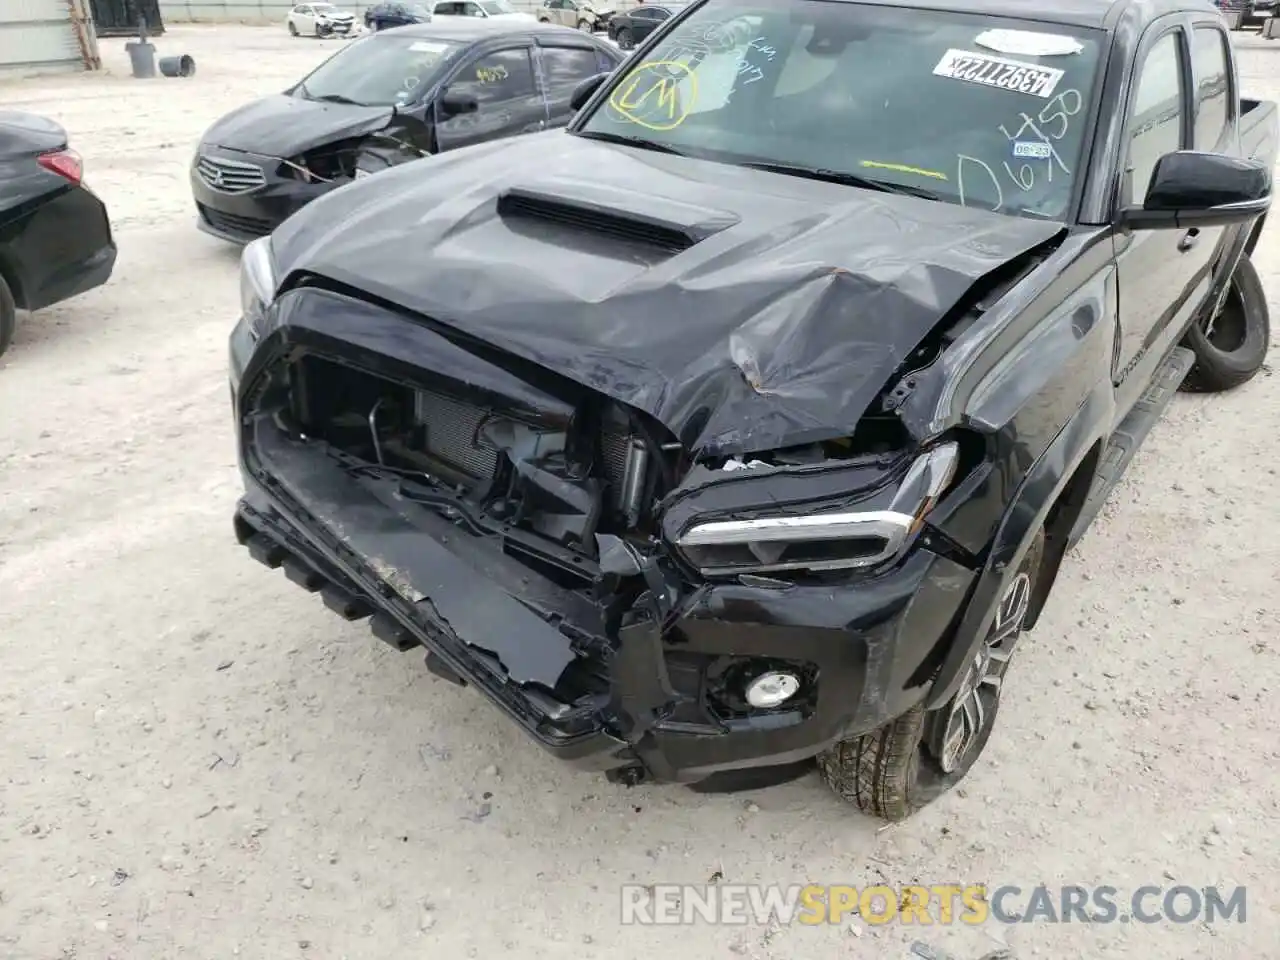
(39, 36)
(273, 11)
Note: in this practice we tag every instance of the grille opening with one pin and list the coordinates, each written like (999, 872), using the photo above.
(234, 223)
(581, 218)
(230, 176)
(562, 483)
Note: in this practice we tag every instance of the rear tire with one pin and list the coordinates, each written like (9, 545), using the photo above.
(906, 764)
(1231, 347)
(624, 40)
(8, 316)
(293, 29)
(585, 27)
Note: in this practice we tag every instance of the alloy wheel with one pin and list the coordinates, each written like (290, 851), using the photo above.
(973, 710)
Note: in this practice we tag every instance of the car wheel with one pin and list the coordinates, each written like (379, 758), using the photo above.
(8, 316)
(913, 760)
(624, 40)
(585, 27)
(293, 29)
(1230, 347)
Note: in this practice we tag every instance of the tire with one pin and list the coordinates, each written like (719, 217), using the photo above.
(902, 767)
(1231, 349)
(8, 316)
(293, 29)
(544, 19)
(585, 27)
(624, 40)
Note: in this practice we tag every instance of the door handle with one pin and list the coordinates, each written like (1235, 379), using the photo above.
(1188, 239)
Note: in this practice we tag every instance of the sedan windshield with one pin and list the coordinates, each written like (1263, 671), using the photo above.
(380, 70)
(965, 108)
(496, 7)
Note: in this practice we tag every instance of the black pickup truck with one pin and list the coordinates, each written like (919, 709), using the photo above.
(765, 441)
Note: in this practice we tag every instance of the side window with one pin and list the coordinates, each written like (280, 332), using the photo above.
(659, 14)
(566, 67)
(497, 77)
(1209, 64)
(472, 10)
(1155, 124)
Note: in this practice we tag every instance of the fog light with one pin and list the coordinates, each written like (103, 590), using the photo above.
(772, 689)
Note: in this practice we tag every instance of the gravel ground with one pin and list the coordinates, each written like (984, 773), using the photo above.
(200, 761)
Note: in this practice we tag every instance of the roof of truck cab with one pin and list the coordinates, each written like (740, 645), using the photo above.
(1098, 14)
(470, 29)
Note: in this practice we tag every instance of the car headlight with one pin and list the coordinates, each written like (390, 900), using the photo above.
(825, 540)
(257, 284)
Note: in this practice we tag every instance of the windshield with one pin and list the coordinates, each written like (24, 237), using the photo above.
(419, 11)
(496, 7)
(322, 7)
(379, 70)
(980, 111)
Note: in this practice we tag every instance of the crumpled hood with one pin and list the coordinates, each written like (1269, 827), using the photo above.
(284, 126)
(780, 325)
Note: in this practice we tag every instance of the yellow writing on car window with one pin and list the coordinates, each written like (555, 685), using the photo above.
(664, 108)
(903, 168)
(491, 74)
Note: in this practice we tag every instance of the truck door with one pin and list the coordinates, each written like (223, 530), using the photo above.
(1162, 274)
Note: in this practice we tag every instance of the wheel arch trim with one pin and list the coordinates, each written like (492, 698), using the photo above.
(1054, 475)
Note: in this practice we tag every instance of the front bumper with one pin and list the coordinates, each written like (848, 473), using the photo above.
(868, 648)
(242, 217)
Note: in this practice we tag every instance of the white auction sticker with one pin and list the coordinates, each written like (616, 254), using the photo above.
(1024, 43)
(999, 72)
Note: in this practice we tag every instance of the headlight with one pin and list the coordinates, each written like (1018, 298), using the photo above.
(257, 283)
(824, 540)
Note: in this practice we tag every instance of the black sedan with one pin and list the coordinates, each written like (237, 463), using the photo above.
(384, 100)
(55, 236)
(630, 28)
(382, 16)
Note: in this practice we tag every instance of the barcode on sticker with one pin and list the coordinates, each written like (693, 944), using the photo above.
(999, 72)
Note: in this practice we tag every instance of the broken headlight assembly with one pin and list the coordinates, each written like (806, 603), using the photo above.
(846, 539)
(257, 284)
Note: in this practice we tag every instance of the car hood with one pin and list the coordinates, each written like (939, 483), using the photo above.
(338, 15)
(284, 126)
(780, 324)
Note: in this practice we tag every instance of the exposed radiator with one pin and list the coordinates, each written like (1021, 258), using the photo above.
(451, 428)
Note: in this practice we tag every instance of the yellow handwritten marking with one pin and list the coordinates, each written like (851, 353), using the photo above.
(491, 74)
(902, 168)
(624, 99)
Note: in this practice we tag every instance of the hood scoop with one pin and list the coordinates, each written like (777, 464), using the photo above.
(655, 224)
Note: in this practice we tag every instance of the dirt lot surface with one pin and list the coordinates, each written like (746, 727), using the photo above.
(198, 760)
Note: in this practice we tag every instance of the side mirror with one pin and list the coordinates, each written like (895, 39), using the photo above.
(452, 104)
(583, 91)
(1194, 189)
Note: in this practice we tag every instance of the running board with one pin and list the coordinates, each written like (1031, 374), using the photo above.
(1130, 433)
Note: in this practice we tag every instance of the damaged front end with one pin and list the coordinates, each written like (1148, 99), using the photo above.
(629, 604)
(346, 160)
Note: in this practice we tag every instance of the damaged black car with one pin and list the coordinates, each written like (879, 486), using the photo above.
(382, 101)
(765, 442)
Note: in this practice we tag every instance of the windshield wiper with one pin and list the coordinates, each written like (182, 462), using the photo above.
(338, 98)
(628, 141)
(839, 176)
